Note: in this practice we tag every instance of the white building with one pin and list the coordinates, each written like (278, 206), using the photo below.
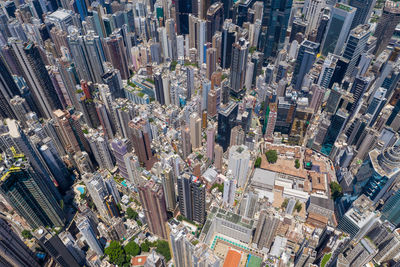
(239, 160)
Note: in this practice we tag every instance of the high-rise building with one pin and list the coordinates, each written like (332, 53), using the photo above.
(195, 131)
(312, 10)
(240, 50)
(190, 82)
(167, 179)
(265, 230)
(36, 76)
(153, 201)
(358, 219)
(65, 131)
(183, 8)
(211, 60)
(228, 38)
(239, 160)
(305, 59)
(26, 191)
(192, 198)
(8, 89)
(101, 151)
(182, 248)
(338, 29)
(386, 25)
(114, 82)
(363, 12)
(226, 121)
(377, 173)
(89, 235)
(270, 120)
(212, 103)
(116, 53)
(391, 209)
(215, 19)
(97, 191)
(276, 19)
(55, 248)
(219, 152)
(55, 164)
(337, 123)
(355, 46)
(120, 149)
(13, 251)
(210, 142)
(229, 189)
(141, 141)
(186, 145)
(158, 88)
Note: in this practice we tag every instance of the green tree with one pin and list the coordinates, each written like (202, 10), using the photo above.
(219, 186)
(132, 249)
(284, 203)
(26, 234)
(163, 249)
(336, 190)
(257, 163)
(116, 253)
(145, 246)
(298, 206)
(272, 156)
(131, 214)
(297, 164)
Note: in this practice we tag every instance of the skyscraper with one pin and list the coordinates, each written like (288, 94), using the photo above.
(210, 142)
(56, 249)
(13, 251)
(191, 193)
(355, 46)
(377, 173)
(28, 194)
(337, 123)
(88, 233)
(391, 209)
(276, 19)
(305, 59)
(239, 160)
(211, 59)
(36, 76)
(363, 12)
(238, 65)
(141, 142)
(215, 19)
(195, 131)
(226, 121)
(97, 191)
(8, 89)
(312, 10)
(116, 53)
(229, 189)
(153, 201)
(386, 25)
(159, 89)
(169, 188)
(338, 29)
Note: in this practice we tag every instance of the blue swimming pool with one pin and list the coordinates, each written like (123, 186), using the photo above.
(81, 189)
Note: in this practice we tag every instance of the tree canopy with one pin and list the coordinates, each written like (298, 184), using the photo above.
(131, 214)
(272, 156)
(257, 163)
(132, 249)
(26, 234)
(336, 190)
(116, 253)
